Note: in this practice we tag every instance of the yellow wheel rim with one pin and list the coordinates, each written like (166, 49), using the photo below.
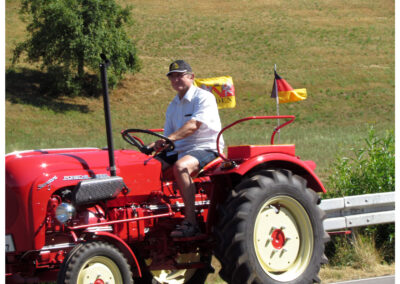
(283, 238)
(176, 276)
(100, 269)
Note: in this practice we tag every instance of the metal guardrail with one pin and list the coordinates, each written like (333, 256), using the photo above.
(359, 210)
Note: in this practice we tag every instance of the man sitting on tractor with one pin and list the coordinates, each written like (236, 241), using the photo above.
(192, 122)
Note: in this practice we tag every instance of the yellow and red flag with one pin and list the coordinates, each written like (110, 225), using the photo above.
(221, 87)
(285, 92)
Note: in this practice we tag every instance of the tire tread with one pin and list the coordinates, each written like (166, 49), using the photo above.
(231, 250)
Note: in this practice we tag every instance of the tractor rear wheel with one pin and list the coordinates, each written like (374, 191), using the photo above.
(95, 262)
(271, 231)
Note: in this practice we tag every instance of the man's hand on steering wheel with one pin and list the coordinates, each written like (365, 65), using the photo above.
(163, 144)
(160, 145)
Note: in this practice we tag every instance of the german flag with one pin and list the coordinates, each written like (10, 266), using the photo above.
(285, 92)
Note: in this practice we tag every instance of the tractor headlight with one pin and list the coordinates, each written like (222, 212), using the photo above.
(64, 212)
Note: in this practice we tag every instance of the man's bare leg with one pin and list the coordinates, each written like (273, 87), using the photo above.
(183, 168)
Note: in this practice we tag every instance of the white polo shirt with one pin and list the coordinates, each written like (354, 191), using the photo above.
(200, 105)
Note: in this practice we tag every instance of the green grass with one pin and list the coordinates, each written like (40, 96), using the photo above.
(342, 52)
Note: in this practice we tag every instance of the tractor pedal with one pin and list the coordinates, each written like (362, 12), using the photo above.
(198, 237)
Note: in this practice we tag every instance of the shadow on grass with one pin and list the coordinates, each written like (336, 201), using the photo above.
(36, 88)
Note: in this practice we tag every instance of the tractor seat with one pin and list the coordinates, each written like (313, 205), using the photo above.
(169, 175)
(209, 167)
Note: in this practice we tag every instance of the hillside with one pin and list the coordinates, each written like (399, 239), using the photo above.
(341, 51)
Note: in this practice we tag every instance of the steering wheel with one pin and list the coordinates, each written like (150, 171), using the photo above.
(135, 141)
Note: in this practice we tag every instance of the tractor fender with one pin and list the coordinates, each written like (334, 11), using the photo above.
(125, 249)
(302, 168)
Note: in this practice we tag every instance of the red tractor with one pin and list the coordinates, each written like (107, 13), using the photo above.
(91, 215)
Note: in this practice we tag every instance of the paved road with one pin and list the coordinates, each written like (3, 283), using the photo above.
(380, 280)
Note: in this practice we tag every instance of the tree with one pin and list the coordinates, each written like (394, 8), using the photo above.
(69, 35)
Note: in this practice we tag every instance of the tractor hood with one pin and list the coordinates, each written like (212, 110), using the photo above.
(33, 176)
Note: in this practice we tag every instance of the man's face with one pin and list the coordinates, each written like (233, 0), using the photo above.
(181, 82)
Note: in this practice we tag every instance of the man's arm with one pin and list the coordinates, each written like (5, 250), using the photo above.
(186, 130)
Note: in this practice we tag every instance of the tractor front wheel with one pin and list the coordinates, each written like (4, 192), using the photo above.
(271, 231)
(95, 262)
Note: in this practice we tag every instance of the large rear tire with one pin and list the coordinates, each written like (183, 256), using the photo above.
(271, 231)
(95, 262)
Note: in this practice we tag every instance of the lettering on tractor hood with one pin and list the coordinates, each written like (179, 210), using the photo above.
(40, 186)
(81, 177)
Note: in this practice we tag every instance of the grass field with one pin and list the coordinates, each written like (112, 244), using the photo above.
(341, 51)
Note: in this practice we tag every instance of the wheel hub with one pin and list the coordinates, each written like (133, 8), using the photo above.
(278, 239)
(99, 270)
(283, 238)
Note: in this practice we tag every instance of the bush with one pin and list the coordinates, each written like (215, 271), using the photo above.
(357, 251)
(372, 170)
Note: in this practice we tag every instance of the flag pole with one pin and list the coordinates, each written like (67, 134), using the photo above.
(277, 101)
